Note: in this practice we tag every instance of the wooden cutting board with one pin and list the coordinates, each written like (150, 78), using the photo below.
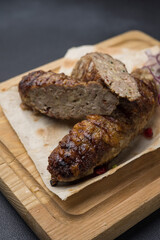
(103, 210)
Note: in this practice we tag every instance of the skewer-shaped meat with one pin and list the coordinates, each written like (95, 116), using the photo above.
(98, 139)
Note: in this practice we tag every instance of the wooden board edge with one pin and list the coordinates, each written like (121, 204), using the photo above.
(129, 35)
(56, 64)
(131, 220)
(22, 211)
(119, 226)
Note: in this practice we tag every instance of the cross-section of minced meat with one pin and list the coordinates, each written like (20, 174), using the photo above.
(111, 72)
(59, 96)
(95, 86)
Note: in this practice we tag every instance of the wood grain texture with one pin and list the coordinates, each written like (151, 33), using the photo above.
(104, 209)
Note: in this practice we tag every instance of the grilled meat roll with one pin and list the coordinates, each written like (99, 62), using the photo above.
(95, 86)
(98, 139)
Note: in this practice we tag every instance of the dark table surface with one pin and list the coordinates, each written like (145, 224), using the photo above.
(35, 32)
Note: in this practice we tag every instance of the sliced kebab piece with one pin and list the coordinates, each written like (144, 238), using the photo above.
(98, 139)
(111, 72)
(60, 96)
(95, 86)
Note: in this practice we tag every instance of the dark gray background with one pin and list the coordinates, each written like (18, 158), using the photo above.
(33, 33)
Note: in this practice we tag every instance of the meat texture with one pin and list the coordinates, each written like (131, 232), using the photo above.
(96, 84)
(60, 96)
(111, 72)
(98, 139)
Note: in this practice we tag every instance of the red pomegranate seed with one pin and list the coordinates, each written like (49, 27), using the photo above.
(100, 170)
(148, 133)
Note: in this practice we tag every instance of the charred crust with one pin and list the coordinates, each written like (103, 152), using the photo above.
(53, 182)
(83, 148)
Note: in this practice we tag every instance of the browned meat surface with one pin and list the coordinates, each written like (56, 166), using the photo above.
(60, 96)
(110, 72)
(95, 86)
(99, 139)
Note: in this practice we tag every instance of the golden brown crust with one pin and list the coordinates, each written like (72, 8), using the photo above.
(42, 79)
(100, 138)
